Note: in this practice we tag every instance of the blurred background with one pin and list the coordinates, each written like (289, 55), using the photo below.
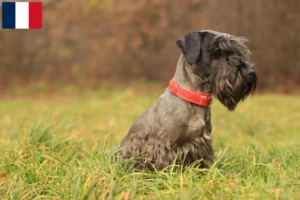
(87, 43)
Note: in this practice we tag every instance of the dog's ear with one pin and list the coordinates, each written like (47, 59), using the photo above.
(190, 46)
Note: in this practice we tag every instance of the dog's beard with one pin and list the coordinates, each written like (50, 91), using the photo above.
(233, 85)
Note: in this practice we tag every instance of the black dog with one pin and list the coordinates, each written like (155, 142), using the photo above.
(178, 126)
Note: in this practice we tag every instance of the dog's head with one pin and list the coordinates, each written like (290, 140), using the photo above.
(223, 60)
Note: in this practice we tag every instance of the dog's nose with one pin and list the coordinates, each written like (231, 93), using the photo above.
(251, 71)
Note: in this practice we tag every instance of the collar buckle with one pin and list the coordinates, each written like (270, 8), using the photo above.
(205, 97)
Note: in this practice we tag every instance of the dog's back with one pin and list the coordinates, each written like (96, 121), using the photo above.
(170, 129)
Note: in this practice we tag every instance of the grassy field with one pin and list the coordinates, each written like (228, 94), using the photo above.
(59, 148)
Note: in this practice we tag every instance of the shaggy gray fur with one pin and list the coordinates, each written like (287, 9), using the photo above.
(174, 129)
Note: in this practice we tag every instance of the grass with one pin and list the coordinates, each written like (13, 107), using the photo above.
(59, 148)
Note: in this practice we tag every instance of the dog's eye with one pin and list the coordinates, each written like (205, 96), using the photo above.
(217, 50)
(217, 53)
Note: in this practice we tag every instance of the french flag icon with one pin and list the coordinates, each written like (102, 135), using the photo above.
(22, 15)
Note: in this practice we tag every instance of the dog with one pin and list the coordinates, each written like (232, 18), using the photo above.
(177, 128)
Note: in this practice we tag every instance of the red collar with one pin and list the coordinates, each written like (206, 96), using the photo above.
(201, 99)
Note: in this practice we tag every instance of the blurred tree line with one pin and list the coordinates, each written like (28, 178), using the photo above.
(86, 42)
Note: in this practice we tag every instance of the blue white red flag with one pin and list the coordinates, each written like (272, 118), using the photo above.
(22, 15)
